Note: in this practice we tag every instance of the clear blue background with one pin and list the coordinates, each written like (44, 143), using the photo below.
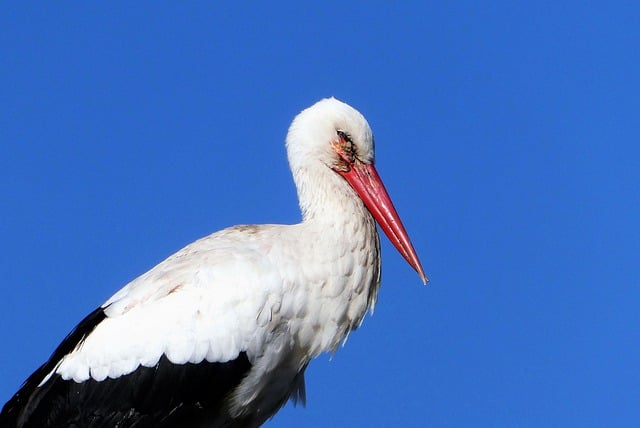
(507, 135)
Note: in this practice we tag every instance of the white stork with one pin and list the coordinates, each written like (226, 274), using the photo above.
(220, 333)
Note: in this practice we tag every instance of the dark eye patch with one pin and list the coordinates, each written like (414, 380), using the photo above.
(345, 147)
(345, 136)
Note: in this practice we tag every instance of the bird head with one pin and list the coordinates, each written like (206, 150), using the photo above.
(331, 137)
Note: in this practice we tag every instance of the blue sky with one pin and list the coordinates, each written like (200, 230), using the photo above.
(507, 135)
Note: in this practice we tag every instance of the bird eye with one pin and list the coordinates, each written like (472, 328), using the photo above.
(346, 142)
(345, 136)
(345, 149)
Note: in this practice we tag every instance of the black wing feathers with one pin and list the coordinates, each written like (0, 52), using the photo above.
(18, 408)
(166, 395)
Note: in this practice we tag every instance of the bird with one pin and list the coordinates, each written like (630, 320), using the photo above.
(220, 333)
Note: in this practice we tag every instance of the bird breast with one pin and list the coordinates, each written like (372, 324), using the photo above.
(332, 279)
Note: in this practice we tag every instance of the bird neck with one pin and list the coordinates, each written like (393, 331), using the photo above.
(339, 255)
(327, 199)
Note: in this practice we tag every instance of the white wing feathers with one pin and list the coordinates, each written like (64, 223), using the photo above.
(205, 302)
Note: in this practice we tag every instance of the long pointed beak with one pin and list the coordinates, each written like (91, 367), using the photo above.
(367, 183)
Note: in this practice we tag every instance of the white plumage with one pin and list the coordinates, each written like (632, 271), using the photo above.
(280, 295)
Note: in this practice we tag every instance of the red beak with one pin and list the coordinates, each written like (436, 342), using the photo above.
(367, 183)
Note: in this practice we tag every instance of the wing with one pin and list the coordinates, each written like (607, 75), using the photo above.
(167, 350)
(164, 395)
